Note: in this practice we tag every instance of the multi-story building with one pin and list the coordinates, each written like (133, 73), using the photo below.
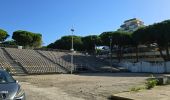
(131, 25)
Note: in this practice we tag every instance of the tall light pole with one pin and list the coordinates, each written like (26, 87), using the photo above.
(110, 51)
(72, 51)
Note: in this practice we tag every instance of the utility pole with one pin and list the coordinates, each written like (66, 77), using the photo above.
(72, 51)
(110, 51)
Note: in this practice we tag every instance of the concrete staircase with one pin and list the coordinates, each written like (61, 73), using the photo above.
(93, 64)
(18, 69)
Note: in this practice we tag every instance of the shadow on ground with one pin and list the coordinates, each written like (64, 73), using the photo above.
(120, 74)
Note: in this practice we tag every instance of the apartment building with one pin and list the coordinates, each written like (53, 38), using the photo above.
(131, 25)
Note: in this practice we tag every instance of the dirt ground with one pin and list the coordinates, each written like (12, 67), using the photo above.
(91, 86)
(157, 93)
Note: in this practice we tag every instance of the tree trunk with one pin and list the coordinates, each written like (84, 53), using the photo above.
(161, 54)
(167, 53)
(137, 54)
(122, 52)
(119, 54)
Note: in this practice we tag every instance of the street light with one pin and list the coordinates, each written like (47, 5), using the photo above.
(110, 51)
(72, 51)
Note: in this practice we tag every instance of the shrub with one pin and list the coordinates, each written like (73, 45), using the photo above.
(151, 75)
(8, 69)
(136, 89)
(151, 83)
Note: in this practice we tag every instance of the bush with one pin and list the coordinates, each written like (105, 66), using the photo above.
(136, 89)
(8, 69)
(151, 83)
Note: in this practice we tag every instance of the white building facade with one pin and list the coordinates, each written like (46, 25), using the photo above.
(131, 25)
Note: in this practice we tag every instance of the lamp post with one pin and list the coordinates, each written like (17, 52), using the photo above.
(72, 51)
(110, 51)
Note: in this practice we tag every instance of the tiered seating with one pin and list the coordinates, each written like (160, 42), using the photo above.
(4, 62)
(80, 60)
(60, 58)
(32, 61)
(87, 60)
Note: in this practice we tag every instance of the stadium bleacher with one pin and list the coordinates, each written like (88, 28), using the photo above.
(33, 62)
(44, 62)
(56, 57)
(80, 60)
(4, 63)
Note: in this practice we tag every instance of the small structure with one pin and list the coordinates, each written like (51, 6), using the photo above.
(19, 47)
(103, 48)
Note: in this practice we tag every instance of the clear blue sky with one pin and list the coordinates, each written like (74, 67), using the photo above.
(54, 18)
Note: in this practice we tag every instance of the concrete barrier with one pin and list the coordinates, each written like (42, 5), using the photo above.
(147, 67)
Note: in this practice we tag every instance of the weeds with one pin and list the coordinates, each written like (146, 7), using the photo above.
(151, 83)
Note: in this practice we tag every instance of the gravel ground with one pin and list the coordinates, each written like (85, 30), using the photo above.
(91, 86)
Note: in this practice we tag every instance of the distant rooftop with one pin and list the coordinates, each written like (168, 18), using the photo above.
(131, 20)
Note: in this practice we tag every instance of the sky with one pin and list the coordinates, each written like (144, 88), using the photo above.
(54, 18)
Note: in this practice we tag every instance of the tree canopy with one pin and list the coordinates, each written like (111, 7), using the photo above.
(26, 38)
(3, 35)
(157, 33)
(65, 43)
(90, 42)
(118, 38)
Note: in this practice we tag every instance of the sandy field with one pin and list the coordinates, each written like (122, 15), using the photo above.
(89, 86)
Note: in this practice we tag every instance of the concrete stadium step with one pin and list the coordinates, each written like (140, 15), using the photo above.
(17, 68)
(64, 70)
